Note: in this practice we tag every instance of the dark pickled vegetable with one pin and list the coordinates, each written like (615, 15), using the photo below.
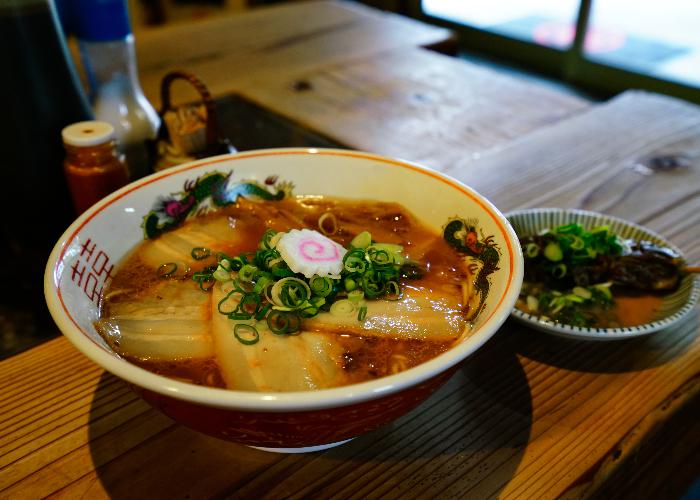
(572, 275)
(637, 265)
(647, 267)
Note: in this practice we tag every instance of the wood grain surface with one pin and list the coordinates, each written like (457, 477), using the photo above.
(233, 53)
(416, 104)
(635, 157)
(358, 76)
(529, 415)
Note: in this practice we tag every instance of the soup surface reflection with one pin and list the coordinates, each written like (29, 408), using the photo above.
(171, 327)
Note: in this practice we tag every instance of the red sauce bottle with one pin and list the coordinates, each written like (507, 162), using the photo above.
(93, 166)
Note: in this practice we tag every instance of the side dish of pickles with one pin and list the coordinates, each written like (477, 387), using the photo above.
(591, 271)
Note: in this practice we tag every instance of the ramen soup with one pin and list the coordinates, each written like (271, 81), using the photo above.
(165, 312)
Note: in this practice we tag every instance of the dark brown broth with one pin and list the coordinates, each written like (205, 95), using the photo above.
(195, 371)
(625, 311)
(364, 358)
(632, 310)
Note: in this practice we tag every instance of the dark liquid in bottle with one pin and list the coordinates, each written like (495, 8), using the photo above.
(41, 95)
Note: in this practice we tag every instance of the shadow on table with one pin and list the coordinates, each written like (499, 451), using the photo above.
(475, 425)
(140, 453)
(466, 440)
(618, 356)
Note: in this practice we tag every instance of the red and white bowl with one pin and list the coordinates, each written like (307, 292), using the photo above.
(87, 253)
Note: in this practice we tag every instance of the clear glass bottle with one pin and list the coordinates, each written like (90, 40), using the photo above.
(107, 52)
(93, 166)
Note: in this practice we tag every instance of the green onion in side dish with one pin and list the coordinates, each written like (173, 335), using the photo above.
(571, 273)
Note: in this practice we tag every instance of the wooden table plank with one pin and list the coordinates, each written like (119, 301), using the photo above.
(231, 53)
(357, 76)
(597, 161)
(415, 104)
(472, 436)
(529, 414)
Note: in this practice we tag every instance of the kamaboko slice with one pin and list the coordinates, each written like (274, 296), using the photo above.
(309, 252)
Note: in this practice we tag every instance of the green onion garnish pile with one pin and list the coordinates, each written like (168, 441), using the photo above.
(564, 272)
(571, 245)
(261, 286)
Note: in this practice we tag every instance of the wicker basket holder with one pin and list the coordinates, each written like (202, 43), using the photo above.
(188, 131)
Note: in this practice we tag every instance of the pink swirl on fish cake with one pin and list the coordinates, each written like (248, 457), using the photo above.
(314, 251)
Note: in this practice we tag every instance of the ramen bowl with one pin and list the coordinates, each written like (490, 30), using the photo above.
(85, 259)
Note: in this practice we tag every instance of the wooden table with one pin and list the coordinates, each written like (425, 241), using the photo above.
(529, 415)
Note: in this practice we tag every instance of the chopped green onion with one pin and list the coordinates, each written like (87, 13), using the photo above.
(342, 307)
(373, 286)
(328, 216)
(362, 313)
(246, 334)
(265, 242)
(553, 252)
(221, 274)
(379, 256)
(249, 304)
(574, 299)
(221, 305)
(394, 251)
(393, 290)
(236, 263)
(281, 322)
(289, 293)
(362, 240)
(568, 228)
(354, 261)
(205, 279)
(308, 310)
(260, 285)
(559, 271)
(604, 289)
(321, 285)
(263, 312)
(263, 281)
(356, 295)
(237, 316)
(532, 250)
(282, 272)
(247, 272)
(578, 243)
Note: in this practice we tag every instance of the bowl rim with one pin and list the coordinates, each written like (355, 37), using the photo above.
(603, 334)
(282, 401)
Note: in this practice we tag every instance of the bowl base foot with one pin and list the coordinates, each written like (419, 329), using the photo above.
(303, 449)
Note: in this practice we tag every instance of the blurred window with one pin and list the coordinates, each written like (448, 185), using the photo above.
(659, 40)
(546, 22)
